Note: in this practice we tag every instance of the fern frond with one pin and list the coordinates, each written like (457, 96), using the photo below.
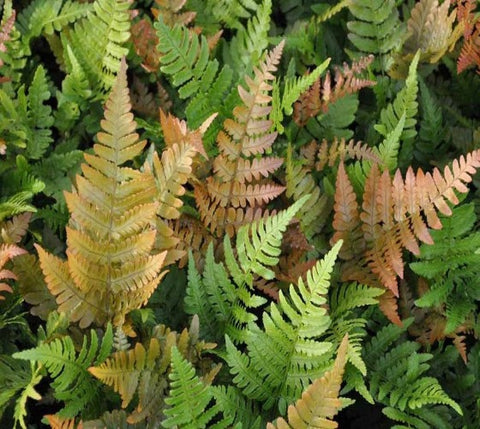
(97, 41)
(7, 252)
(320, 402)
(111, 213)
(57, 422)
(122, 371)
(321, 95)
(189, 397)
(13, 230)
(398, 121)
(449, 265)
(286, 355)
(247, 135)
(232, 11)
(392, 217)
(72, 383)
(376, 29)
(431, 30)
(248, 44)
(40, 18)
(300, 182)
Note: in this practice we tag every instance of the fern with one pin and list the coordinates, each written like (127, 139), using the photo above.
(250, 41)
(398, 122)
(396, 379)
(285, 356)
(40, 18)
(376, 29)
(224, 306)
(185, 58)
(97, 42)
(231, 12)
(449, 265)
(188, 398)
(110, 215)
(319, 403)
(391, 218)
(236, 194)
(72, 383)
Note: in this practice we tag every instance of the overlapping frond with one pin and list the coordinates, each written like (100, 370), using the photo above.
(322, 94)
(68, 368)
(289, 352)
(98, 41)
(236, 192)
(395, 214)
(109, 269)
(470, 52)
(376, 29)
(320, 402)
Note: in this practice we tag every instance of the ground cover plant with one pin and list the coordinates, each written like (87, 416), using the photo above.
(239, 214)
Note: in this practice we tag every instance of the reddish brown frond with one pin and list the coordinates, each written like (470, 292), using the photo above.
(329, 153)
(170, 10)
(57, 422)
(240, 187)
(7, 252)
(346, 218)
(145, 40)
(470, 51)
(395, 215)
(389, 306)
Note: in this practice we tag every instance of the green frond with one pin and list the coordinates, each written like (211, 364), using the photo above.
(233, 403)
(298, 85)
(247, 46)
(258, 244)
(289, 352)
(40, 17)
(300, 182)
(451, 264)
(211, 296)
(346, 297)
(397, 122)
(189, 398)
(185, 57)
(230, 12)
(398, 378)
(98, 40)
(71, 381)
(376, 29)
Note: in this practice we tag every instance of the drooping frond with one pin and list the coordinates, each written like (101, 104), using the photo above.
(320, 402)
(109, 269)
(394, 215)
(72, 383)
(321, 95)
(237, 190)
(376, 29)
(97, 41)
(289, 352)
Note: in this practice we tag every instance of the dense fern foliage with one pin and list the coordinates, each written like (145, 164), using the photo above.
(239, 214)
